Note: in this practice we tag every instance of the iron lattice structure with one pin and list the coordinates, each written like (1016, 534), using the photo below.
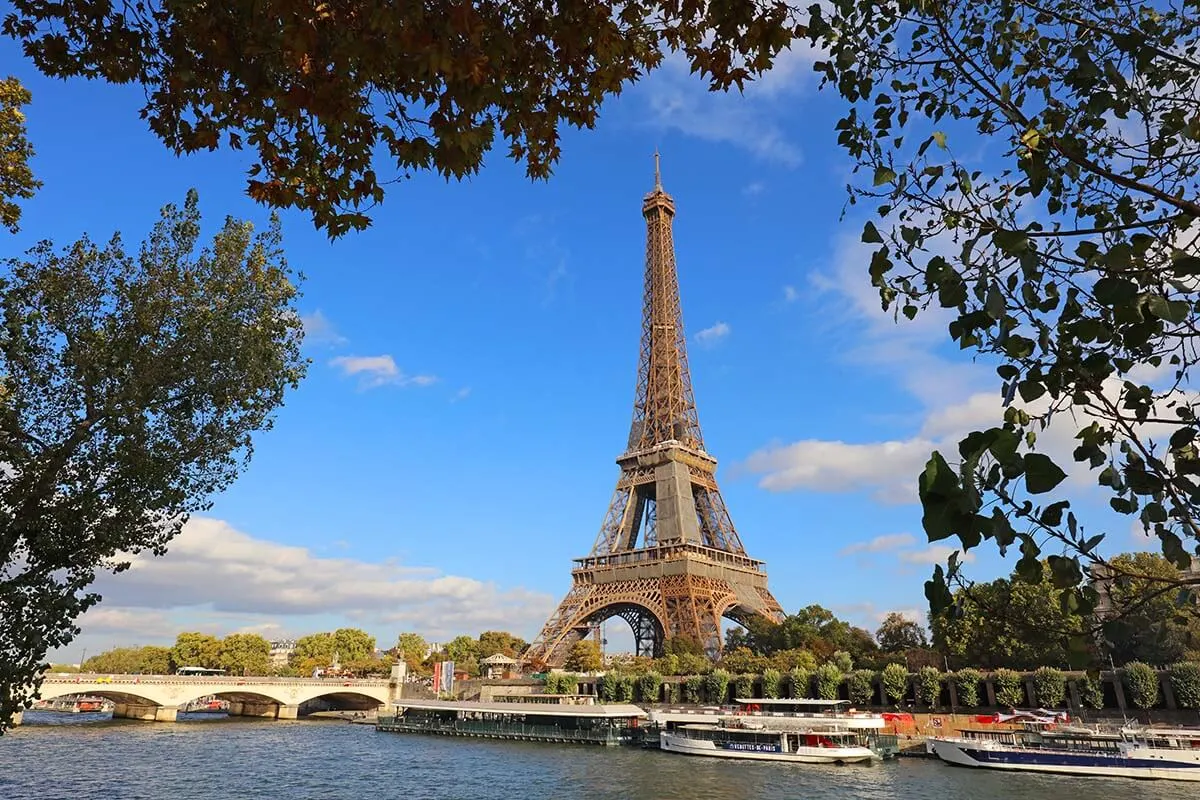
(668, 559)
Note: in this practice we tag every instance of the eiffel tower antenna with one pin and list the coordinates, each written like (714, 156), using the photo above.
(667, 559)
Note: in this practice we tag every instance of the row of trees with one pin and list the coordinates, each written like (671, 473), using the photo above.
(893, 685)
(351, 650)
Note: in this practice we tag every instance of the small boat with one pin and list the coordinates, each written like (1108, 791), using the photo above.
(1146, 753)
(755, 740)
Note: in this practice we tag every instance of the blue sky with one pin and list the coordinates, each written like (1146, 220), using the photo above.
(445, 486)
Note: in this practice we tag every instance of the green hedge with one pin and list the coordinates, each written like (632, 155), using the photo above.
(743, 686)
(693, 687)
(1010, 687)
(1185, 684)
(859, 686)
(895, 682)
(1091, 689)
(771, 683)
(716, 685)
(1142, 681)
(929, 685)
(561, 683)
(799, 683)
(1051, 686)
(966, 686)
(648, 686)
(829, 680)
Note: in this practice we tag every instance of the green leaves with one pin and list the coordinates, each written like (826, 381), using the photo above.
(1041, 474)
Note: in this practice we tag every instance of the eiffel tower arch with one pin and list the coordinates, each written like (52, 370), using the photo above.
(668, 559)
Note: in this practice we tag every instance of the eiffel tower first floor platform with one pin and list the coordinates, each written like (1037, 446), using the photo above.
(669, 590)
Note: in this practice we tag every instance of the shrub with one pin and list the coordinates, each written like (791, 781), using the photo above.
(843, 661)
(1010, 688)
(929, 685)
(616, 687)
(1091, 690)
(895, 682)
(1142, 681)
(624, 688)
(561, 683)
(799, 683)
(716, 685)
(1050, 685)
(966, 685)
(692, 686)
(829, 678)
(648, 686)
(743, 686)
(1185, 683)
(771, 680)
(859, 686)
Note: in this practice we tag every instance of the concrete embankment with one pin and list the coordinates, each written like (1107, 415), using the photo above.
(360, 717)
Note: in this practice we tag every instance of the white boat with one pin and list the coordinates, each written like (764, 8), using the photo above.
(753, 740)
(1147, 753)
(794, 714)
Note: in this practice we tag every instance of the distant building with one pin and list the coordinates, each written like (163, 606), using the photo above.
(281, 652)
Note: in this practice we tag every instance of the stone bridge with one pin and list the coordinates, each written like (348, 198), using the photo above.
(160, 697)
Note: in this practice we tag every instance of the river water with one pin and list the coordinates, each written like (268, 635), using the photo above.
(217, 758)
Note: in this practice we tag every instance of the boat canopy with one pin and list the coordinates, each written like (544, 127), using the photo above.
(793, 701)
(614, 711)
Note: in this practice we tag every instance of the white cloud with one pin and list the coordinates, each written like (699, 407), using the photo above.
(461, 394)
(934, 554)
(753, 189)
(319, 330)
(220, 580)
(678, 100)
(880, 544)
(790, 295)
(379, 371)
(713, 334)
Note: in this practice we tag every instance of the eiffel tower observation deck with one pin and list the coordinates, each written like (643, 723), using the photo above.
(668, 559)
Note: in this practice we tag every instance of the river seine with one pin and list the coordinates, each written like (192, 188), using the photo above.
(224, 759)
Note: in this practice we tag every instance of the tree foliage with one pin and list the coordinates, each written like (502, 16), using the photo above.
(413, 648)
(322, 95)
(1066, 255)
(16, 178)
(245, 654)
(813, 629)
(584, 657)
(149, 660)
(648, 687)
(1009, 622)
(194, 649)
(897, 634)
(1145, 623)
(503, 642)
(132, 386)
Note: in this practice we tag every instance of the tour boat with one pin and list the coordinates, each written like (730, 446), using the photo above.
(786, 714)
(1148, 753)
(754, 740)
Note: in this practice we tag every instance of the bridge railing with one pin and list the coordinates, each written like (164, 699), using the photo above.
(221, 680)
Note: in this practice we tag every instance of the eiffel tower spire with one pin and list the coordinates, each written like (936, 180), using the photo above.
(667, 559)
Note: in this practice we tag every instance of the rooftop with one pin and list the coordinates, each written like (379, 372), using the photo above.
(528, 709)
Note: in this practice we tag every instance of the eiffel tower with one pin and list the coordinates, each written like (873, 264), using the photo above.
(668, 559)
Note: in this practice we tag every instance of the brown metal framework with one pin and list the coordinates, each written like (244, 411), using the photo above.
(667, 559)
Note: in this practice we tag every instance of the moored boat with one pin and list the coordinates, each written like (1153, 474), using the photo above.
(1145, 753)
(758, 742)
